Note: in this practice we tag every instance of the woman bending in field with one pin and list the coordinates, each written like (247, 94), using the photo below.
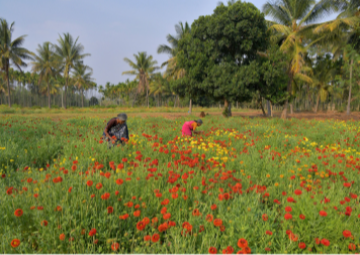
(116, 130)
(189, 127)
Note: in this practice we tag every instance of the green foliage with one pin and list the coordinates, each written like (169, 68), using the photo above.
(219, 52)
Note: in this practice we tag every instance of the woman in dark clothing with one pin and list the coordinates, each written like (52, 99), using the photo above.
(116, 130)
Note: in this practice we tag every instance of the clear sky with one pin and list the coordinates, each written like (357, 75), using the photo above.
(110, 30)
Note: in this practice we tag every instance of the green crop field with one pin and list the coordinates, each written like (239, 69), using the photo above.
(244, 186)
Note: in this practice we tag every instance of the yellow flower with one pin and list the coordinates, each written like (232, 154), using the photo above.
(276, 184)
(281, 176)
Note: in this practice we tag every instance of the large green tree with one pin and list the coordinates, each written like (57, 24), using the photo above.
(47, 65)
(218, 53)
(143, 68)
(11, 52)
(292, 26)
(71, 52)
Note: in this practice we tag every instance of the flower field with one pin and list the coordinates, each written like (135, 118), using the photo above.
(244, 186)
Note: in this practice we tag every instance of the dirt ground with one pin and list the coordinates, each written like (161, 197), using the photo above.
(170, 115)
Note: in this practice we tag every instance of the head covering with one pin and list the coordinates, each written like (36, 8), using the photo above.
(199, 121)
(122, 116)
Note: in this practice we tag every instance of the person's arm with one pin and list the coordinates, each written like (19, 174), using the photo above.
(107, 128)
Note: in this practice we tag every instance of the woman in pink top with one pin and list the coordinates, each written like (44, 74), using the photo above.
(190, 126)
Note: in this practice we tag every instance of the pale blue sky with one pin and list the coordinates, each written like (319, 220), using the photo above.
(109, 30)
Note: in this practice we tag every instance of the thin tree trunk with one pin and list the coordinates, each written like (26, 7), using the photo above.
(82, 99)
(190, 107)
(284, 112)
(8, 83)
(261, 106)
(49, 96)
(269, 112)
(66, 84)
(291, 108)
(349, 98)
(317, 103)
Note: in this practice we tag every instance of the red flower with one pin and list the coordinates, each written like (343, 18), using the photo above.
(105, 196)
(110, 209)
(302, 245)
(18, 212)
(325, 242)
(137, 213)
(242, 243)
(147, 238)
(115, 246)
(323, 213)
(301, 216)
(155, 237)
(346, 233)
(351, 247)
(15, 243)
(288, 209)
(89, 183)
(212, 250)
(287, 216)
(99, 186)
(209, 218)
(124, 217)
(218, 222)
(298, 192)
(92, 232)
(347, 184)
(268, 232)
(44, 223)
(213, 207)
(62, 237)
(265, 217)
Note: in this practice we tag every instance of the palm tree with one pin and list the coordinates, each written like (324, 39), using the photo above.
(143, 68)
(70, 52)
(343, 31)
(82, 79)
(293, 26)
(11, 50)
(47, 65)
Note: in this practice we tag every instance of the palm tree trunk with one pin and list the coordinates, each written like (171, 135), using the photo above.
(291, 108)
(49, 96)
(7, 81)
(317, 103)
(82, 99)
(190, 106)
(349, 99)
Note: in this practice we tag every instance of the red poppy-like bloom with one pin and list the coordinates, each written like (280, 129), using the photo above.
(166, 216)
(213, 207)
(268, 232)
(325, 242)
(302, 245)
(155, 237)
(163, 227)
(89, 183)
(242, 243)
(288, 209)
(70, 189)
(99, 186)
(44, 223)
(105, 196)
(124, 217)
(196, 212)
(74, 167)
(352, 247)
(218, 222)
(346, 233)
(301, 216)
(147, 238)
(212, 250)
(323, 213)
(115, 246)
(140, 225)
(92, 232)
(15, 243)
(209, 218)
(298, 192)
(287, 216)
(265, 217)
(137, 213)
(347, 184)
(110, 209)
(62, 237)
(18, 212)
